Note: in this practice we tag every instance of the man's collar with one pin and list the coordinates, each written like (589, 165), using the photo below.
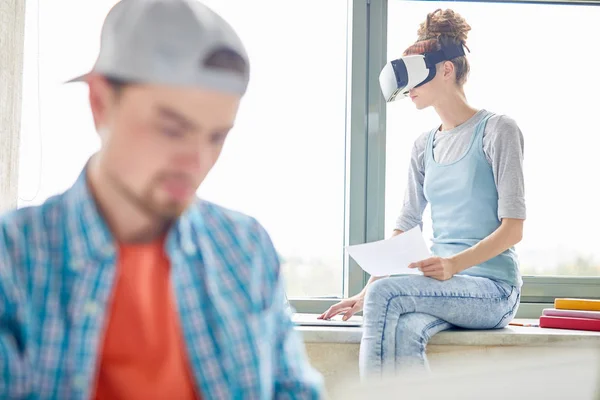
(89, 236)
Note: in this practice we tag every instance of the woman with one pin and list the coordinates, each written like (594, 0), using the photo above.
(469, 169)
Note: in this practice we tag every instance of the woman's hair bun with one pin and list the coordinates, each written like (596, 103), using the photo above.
(444, 24)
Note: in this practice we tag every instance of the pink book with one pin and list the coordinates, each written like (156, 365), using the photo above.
(553, 312)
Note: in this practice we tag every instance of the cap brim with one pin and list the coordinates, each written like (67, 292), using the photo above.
(81, 78)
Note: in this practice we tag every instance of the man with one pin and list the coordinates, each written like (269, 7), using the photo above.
(127, 286)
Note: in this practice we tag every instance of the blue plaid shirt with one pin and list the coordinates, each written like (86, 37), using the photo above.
(57, 272)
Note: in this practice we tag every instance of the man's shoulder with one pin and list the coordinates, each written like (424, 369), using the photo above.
(236, 236)
(30, 230)
(27, 218)
(219, 216)
(223, 221)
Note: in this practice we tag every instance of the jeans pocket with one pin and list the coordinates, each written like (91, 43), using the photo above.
(513, 304)
(504, 288)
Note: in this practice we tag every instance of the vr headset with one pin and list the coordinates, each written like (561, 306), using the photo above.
(399, 76)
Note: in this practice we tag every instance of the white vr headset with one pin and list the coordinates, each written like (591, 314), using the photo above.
(399, 76)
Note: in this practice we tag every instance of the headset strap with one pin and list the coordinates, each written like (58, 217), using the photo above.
(447, 53)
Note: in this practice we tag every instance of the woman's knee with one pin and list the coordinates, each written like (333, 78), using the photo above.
(377, 296)
(384, 289)
(389, 292)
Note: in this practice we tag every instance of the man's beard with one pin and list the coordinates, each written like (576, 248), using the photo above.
(146, 203)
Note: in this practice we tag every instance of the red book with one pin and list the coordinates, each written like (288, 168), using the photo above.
(582, 324)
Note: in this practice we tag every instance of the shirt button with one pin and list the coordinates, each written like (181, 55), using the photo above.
(91, 308)
(79, 382)
(107, 251)
(188, 248)
(77, 265)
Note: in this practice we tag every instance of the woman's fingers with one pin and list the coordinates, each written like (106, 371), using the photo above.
(425, 263)
(347, 315)
(430, 261)
(335, 310)
(333, 313)
(356, 308)
(434, 275)
(431, 269)
(439, 274)
(433, 272)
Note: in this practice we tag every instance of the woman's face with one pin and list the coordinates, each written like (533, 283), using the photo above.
(428, 94)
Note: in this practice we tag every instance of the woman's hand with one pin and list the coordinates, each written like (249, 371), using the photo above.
(438, 268)
(348, 307)
(353, 304)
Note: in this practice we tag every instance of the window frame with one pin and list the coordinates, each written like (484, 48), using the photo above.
(364, 207)
(366, 155)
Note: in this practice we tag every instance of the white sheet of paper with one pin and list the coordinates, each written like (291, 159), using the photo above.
(391, 256)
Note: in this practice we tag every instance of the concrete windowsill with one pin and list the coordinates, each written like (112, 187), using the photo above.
(509, 336)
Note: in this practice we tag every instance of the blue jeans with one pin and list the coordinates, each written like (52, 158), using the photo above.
(401, 314)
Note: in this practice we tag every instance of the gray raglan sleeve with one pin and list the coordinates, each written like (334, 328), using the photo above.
(504, 149)
(414, 198)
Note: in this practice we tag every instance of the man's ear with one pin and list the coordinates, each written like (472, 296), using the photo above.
(102, 100)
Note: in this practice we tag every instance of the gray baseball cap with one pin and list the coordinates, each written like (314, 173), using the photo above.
(169, 42)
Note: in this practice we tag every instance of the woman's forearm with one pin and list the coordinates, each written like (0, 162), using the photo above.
(507, 235)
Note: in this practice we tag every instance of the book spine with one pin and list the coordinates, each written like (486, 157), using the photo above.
(581, 324)
(577, 304)
(553, 312)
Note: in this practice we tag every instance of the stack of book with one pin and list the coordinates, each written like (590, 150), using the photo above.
(578, 314)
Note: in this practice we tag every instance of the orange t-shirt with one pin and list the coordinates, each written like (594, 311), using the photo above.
(143, 355)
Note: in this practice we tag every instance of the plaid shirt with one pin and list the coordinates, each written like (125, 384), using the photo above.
(57, 272)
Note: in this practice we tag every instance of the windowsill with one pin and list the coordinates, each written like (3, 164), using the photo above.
(509, 336)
